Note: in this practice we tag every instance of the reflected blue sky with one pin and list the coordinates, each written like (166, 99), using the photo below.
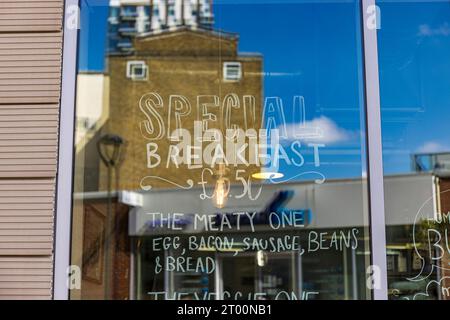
(313, 49)
(414, 53)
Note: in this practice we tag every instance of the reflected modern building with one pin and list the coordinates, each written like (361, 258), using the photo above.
(129, 18)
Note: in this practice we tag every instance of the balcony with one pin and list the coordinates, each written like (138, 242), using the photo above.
(128, 14)
(207, 20)
(125, 45)
(127, 30)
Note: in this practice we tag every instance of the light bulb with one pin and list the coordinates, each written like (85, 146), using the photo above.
(261, 258)
(220, 192)
(266, 175)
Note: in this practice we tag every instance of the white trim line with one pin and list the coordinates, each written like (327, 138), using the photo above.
(374, 147)
(63, 208)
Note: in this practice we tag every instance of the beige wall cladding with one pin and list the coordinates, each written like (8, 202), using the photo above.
(28, 140)
(30, 67)
(30, 15)
(30, 83)
(26, 217)
(26, 277)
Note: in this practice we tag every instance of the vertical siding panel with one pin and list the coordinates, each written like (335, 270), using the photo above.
(30, 82)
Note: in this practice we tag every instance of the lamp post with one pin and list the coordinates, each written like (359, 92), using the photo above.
(109, 147)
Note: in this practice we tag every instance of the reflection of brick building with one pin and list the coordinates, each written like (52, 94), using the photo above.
(184, 62)
(444, 202)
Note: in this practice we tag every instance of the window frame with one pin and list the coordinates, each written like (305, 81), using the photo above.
(64, 177)
(130, 67)
(63, 206)
(228, 64)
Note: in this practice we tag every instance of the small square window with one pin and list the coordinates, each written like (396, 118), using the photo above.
(232, 71)
(137, 70)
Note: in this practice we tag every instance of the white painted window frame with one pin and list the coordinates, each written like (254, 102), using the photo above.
(225, 71)
(63, 203)
(132, 76)
(374, 150)
(63, 207)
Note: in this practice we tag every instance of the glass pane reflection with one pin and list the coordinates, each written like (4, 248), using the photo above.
(220, 151)
(415, 103)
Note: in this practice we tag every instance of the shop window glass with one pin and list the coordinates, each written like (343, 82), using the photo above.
(188, 186)
(414, 67)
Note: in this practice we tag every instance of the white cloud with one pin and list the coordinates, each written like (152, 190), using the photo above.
(320, 130)
(431, 147)
(425, 30)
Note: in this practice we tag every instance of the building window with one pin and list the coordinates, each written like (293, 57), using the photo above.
(171, 9)
(232, 71)
(137, 70)
(129, 11)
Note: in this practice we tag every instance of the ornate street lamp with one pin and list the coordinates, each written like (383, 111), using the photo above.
(109, 147)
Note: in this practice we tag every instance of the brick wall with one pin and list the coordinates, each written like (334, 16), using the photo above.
(444, 186)
(187, 63)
